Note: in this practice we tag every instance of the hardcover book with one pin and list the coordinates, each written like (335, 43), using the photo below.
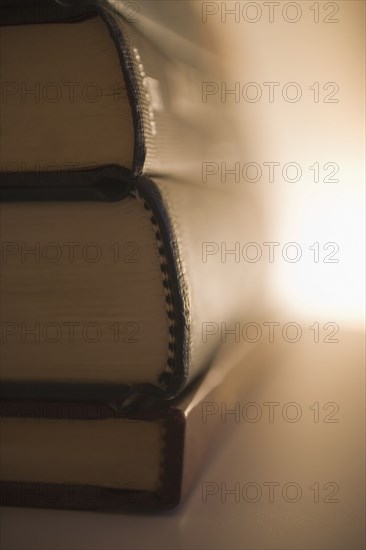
(107, 83)
(122, 268)
(145, 459)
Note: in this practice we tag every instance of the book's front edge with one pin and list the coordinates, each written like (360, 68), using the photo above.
(30, 12)
(94, 497)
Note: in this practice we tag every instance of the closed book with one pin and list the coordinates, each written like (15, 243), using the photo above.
(104, 83)
(126, 255)
(93, 456)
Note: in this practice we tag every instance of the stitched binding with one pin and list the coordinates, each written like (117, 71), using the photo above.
(169, 302)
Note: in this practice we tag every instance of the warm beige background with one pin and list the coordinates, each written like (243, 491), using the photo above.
(304, 452)
(305, 373)
(305, 132)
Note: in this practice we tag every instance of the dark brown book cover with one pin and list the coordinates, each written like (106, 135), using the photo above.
(192, 425)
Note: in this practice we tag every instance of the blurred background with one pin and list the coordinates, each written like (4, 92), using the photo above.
(310, 132)
(325, 60)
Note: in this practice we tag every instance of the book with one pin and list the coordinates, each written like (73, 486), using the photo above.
(90, 84)
(147, 459)
(128, 296)
(121, 268)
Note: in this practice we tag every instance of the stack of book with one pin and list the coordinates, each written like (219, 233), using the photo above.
(120, 263)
